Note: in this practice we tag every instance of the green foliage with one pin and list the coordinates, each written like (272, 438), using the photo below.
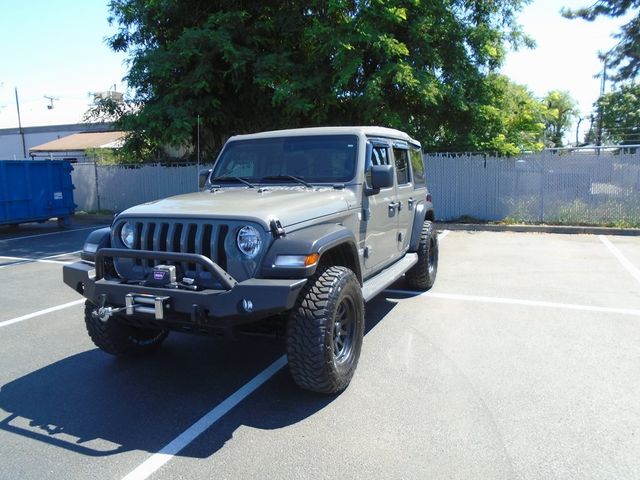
(424, 67)
(624, 57)
(561, 109)
(621, 115)
(106, 156)
(512, 120)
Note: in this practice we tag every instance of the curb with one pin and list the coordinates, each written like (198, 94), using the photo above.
(562, 229)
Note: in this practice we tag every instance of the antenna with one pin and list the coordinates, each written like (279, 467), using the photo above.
(198, 154)
(51, 100)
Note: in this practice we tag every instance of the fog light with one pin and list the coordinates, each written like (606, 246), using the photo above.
(247, 305)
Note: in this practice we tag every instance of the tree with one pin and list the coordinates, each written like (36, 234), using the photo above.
(249, 66)
(621, 115)
(560, 112)
(511, 121)
(624, 58)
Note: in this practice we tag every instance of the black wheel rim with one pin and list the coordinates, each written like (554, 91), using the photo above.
(432, 259)
(343, 329)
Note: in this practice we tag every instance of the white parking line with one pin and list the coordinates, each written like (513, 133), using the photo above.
(41, 312)
(21, 260)
(621, 258)
(48, 259)
(157, 460)
(517, 301)
(53, 233)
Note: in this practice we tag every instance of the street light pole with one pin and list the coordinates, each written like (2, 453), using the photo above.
(24, 146)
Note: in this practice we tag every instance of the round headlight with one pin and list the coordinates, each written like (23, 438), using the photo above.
(127, 232)
(249, 241)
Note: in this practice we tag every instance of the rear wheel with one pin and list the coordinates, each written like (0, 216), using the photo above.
(117, 338)
(325, 331)
(423, 274)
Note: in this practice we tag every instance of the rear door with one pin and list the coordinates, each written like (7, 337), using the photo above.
(405, 201)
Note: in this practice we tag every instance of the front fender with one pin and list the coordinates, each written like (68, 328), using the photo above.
(315, 239)
(96, 240)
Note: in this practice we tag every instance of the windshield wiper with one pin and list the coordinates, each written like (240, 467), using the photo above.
(288, 177)
(232, 179)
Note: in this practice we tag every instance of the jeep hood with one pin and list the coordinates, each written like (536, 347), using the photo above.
(290, 205)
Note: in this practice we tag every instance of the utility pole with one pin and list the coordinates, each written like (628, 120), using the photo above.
(51, 99)
(24, 145)
(578, 130)
(603, 81)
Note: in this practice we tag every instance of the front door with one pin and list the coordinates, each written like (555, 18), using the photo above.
(379, 225)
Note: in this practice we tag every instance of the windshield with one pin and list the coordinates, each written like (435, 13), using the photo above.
(314, 159)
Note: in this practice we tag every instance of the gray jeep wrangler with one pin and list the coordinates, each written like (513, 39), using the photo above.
(293, 230)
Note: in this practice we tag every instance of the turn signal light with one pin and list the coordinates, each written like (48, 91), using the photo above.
(311, 259)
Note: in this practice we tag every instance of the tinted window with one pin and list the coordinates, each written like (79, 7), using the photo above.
(401, 157)
(318, 158)
(379, 156)
(417, 166)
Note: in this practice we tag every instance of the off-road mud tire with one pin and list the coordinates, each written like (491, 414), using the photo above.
(118, 338)
(422, 275)
(325, 331)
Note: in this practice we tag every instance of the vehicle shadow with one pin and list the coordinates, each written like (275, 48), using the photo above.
(97, 405)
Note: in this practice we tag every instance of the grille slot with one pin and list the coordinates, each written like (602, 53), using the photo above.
(188, 237)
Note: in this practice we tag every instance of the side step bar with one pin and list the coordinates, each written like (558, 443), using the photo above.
(386, 277)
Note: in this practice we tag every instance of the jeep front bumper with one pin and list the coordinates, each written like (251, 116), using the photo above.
(234, 304)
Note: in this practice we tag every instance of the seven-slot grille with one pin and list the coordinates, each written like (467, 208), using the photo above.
(185, 237)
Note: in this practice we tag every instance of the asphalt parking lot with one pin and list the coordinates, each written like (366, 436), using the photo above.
(523, 362)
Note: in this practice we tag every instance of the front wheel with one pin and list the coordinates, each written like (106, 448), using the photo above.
(325, 331)
(117, 338)
(422, 275)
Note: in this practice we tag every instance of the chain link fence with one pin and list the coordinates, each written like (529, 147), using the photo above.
(117, 187)
(572, 187)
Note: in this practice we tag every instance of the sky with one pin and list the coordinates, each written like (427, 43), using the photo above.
(57, 48)
(54, 48)
(566, 55)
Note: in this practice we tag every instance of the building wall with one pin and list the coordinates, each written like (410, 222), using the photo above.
(11, 141)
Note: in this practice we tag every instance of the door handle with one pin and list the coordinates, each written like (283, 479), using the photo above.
(411, 202)
(392, 207)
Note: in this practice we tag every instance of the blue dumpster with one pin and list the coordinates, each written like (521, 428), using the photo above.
(35, 191)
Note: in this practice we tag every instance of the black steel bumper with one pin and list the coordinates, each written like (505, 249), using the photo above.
(243, 302)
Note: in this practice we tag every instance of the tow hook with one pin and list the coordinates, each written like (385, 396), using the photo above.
(105, 313)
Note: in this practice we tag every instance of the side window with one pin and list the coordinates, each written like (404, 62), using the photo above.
(379, 156)
(402, 165)
(417, 165)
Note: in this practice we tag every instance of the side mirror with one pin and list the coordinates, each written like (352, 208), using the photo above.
(381, 176)
(204, 176)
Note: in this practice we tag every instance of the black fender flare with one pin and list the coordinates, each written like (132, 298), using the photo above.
(421, 211)
(96, 240)
(315, 239)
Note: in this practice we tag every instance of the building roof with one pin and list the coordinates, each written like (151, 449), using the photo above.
(82, 141)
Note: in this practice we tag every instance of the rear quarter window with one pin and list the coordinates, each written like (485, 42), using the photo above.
(417, 165)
